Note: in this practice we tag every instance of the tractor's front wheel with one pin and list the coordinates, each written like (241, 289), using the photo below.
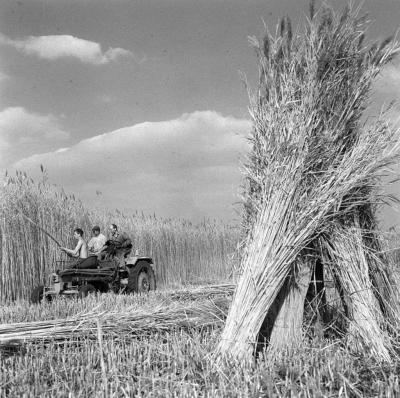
(141, 278)
(37, 294)
(85, 290)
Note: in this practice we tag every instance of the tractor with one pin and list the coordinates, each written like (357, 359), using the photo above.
(118, 271)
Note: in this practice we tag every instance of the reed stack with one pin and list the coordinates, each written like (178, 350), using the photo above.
(313, 184)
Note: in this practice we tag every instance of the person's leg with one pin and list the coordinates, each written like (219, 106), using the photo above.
(87, 263)
(76, 263)
(120, 258)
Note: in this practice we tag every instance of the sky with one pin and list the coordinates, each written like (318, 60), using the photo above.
(139, 104)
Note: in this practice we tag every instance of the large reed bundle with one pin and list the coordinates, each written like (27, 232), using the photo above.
(347, 257)
(313, 164)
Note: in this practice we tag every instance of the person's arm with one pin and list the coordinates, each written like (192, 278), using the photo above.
(73, 252)
(101, 244)
(103, 240)
(107, 243)
(100, 247)
(91, 245)
(127, 241)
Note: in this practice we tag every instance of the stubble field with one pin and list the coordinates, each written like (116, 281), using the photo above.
(169, 353)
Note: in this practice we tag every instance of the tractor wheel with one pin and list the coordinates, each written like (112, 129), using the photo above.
(37, 294)
(85, 290)
(141, 278)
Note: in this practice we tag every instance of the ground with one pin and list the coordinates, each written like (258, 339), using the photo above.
(171, 356)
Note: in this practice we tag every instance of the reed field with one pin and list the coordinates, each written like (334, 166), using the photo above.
(183, 252)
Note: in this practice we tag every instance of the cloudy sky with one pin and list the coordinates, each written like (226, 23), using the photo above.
(138, 104)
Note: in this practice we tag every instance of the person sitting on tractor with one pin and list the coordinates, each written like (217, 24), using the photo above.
(119, 239)
(97, 242)
(80, 252)
(118, 245)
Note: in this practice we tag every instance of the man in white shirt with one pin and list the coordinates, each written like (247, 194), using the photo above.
(96, 244)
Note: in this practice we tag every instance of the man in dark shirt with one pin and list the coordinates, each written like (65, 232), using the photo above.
(119, 239)
(118, 245)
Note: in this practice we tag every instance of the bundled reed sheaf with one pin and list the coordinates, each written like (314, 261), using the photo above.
(313, 184)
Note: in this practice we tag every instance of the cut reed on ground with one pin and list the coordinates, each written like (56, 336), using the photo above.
(313, 182)
(199, 307)
(102, 361)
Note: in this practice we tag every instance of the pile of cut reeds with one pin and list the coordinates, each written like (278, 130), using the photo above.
(313, 184)
(132, 321)
(201, 292)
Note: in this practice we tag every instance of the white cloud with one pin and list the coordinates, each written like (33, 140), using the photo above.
(59, 46)
(23, 133)
(389, 79)
(187, 167)
(3, 77)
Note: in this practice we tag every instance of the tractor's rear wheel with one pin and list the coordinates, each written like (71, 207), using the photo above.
(141, 278)
(37, 294)
(85, 290)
